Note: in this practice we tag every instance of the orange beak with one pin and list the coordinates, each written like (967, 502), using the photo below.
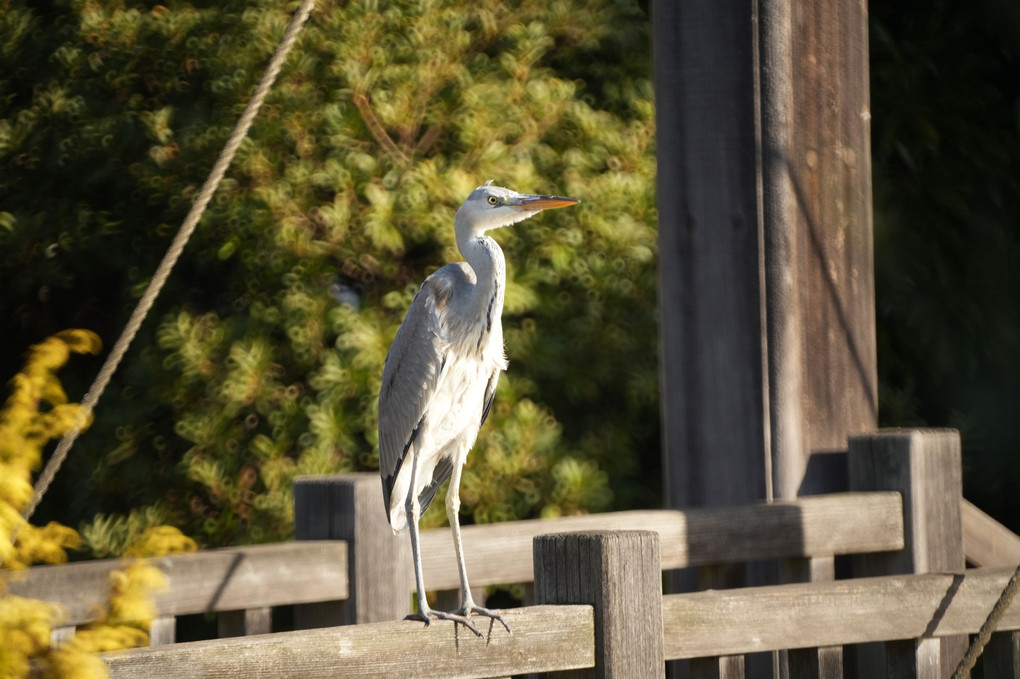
(536, 203)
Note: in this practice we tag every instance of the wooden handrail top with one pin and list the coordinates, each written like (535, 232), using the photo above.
(811, 615)
(545, 638)
(213, 580)
(986, 542)
(821, 525)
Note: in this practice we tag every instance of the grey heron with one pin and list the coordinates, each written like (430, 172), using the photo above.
(440, 377)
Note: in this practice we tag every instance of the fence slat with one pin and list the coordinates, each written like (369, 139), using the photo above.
(214, 580)
(731, 622)
(822, 525)
(545, 638)
(620, 574)
(163, 630)
(244, 623)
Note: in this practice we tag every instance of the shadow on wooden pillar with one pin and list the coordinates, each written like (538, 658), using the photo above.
(619, 573)
(350, 507)
(924, 466)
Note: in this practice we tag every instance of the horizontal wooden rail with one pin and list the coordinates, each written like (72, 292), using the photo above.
(823, 525)
(545, 639)
(810, 615)
(214, 580)
(986, 542)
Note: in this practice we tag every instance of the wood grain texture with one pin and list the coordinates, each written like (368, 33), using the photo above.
(619, 574)
(713, 394)
(809, 615)
(350, 507)
(545, 638)
(986, 542)
(817, 526)
(212, 580)
(924, 465)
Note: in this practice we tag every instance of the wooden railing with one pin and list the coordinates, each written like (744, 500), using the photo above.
(900, 519)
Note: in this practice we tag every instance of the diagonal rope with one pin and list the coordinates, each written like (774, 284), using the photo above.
(159, 278)
(977, 646)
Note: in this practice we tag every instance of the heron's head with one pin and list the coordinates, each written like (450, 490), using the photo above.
(491, 207)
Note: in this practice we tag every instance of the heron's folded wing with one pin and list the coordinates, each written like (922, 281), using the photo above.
(412, 373)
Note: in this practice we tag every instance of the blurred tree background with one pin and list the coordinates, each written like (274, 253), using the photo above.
(261, 360)
(945, 93)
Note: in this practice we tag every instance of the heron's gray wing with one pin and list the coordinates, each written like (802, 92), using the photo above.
(412, 372)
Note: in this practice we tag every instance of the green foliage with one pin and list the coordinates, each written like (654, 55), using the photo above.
(37, 411)
(385, 118)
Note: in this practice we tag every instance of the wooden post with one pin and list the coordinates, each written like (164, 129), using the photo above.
(924, 466)
(619, 574)
(766, 263)
(350, 507)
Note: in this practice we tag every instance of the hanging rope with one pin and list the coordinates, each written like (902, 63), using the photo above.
(977, 646)
(238, 134)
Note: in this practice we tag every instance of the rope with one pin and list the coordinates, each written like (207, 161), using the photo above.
(985, 633)
(238, 134)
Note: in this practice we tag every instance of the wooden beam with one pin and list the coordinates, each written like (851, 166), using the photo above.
(823, 525)
(986, 542)
(214, 580)
(545, 638)
(809, 615)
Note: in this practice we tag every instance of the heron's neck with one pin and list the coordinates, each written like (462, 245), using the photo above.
(486, 259)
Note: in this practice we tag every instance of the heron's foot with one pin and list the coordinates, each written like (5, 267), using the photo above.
(488, 613)
(429, 615)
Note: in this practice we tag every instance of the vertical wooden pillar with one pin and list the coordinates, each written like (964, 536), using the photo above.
(924, 466)
(766, 265)
(619, 574)
(350, 507)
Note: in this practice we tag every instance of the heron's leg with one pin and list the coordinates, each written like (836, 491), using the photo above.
(413, 508)
(468, 605)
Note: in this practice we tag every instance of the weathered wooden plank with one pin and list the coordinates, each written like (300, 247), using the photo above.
(619, 574)
(823, 525)
(730, 622)
(545, 638)
(213, 580)
(986, 542)
(349, 507)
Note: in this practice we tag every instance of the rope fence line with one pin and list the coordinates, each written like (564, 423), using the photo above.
(159, 278)
(977, 646)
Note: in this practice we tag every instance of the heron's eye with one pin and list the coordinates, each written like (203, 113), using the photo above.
(493, 200)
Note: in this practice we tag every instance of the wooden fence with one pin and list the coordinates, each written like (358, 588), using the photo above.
(596, 582)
